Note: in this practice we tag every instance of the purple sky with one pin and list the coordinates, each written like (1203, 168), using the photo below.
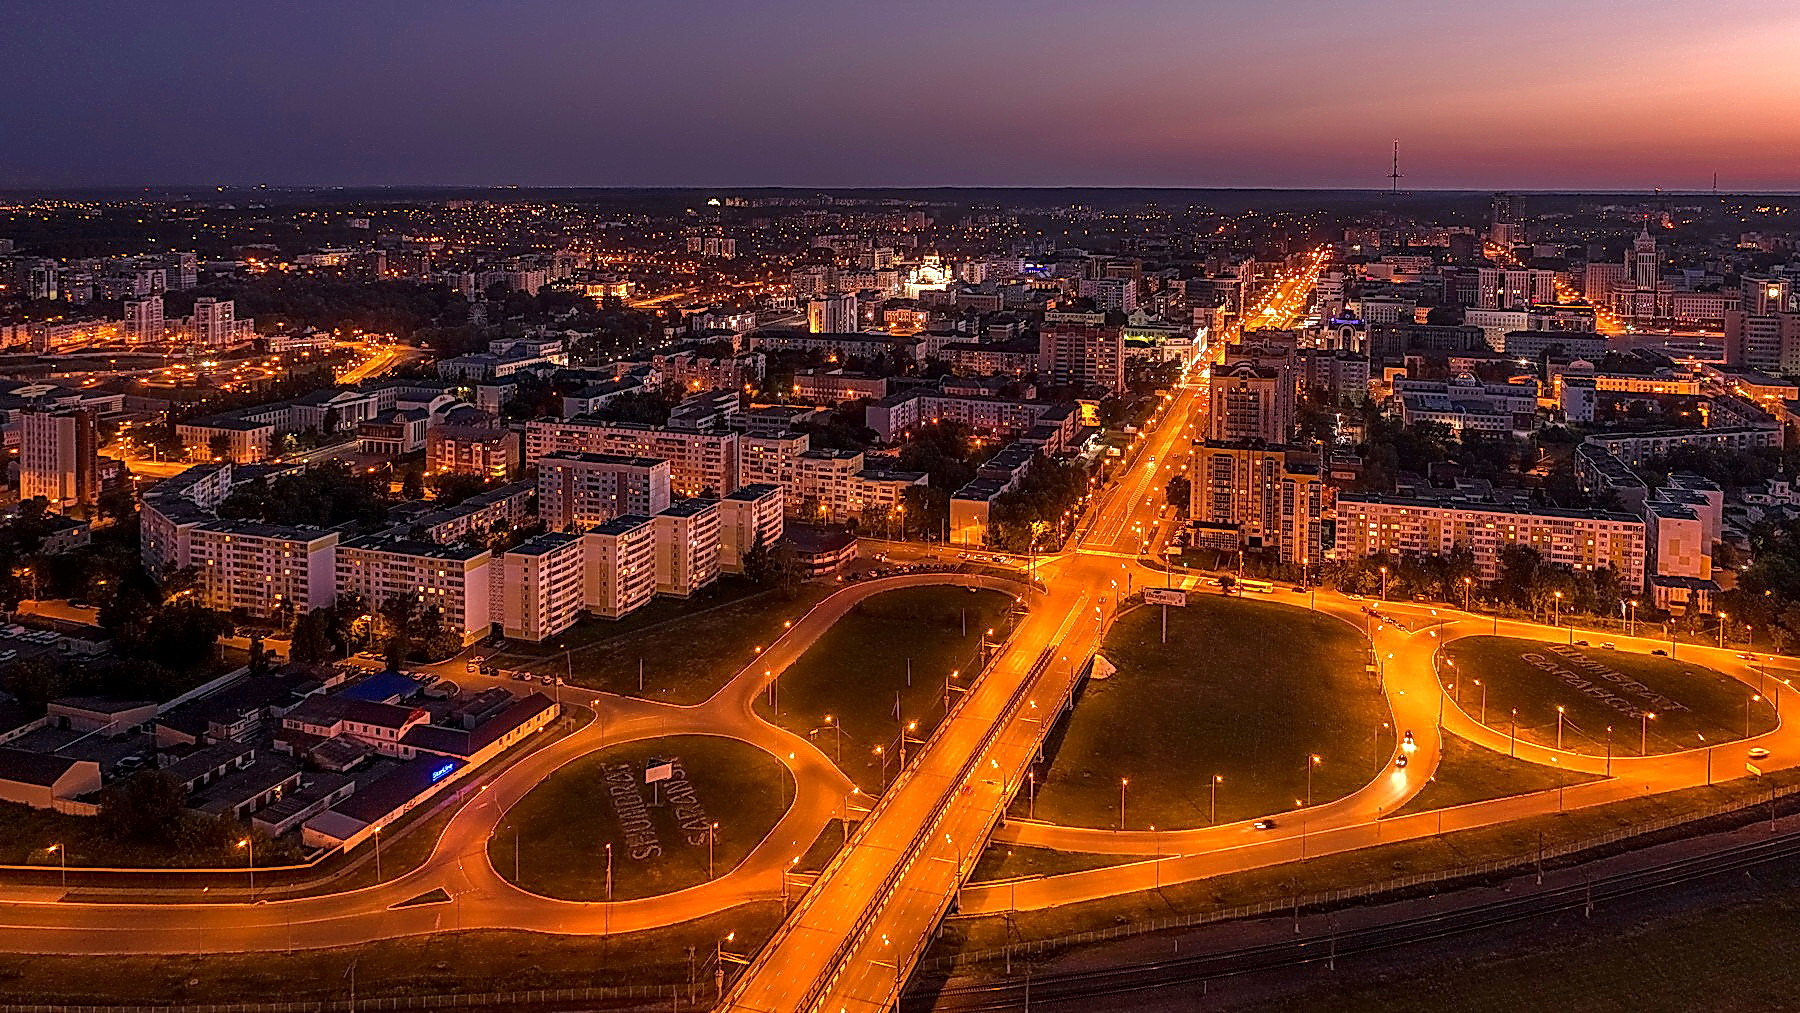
(1527, 94)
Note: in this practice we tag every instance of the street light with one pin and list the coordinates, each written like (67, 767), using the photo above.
(1216, 781)
(1559, 725)
(1644, 720)
(62, 854)
(1483, 686)
(1468, 582)
(1722, 618)
(1754, 698)
(1311, 762)
(712, 837)
(1123, 783)
(249, 847)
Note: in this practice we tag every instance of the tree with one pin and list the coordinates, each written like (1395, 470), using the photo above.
(149, 806)
(220, 444)
(312, 637)
(759, 563)
(412, 487)
(1178, 491)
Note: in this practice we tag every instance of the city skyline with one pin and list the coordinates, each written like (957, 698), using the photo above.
(1291, 95)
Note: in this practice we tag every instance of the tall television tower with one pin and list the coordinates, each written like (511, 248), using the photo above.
(1394, 175)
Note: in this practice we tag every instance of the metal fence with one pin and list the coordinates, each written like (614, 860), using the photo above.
(1365, 891)
(673, 997)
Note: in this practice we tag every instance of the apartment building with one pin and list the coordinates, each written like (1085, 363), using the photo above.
(1634, 449)
(578, 490)
(619, 575)
(453, 579)
(542, 586)
(488, 451)
(897, 415)
(1250, 402)
(1263, 498)
(699, 461)
(1082, 349)
(1589, 540)
(748, 517)
(687, 546)
(263, 569)
(58, 457)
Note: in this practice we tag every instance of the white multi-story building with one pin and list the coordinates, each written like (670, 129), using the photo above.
(144, 323)
(263, 569)
(57, 457)
(699, 462)
(451, 578)
(1589, 540)
(687, 546)
(582, 490)
(542, 586)
(748, 517)
(832, 314)
(619, 573)
(215, 322)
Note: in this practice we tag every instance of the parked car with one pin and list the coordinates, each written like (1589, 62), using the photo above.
(1758, 753)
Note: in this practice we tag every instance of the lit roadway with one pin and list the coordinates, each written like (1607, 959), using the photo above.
(35, 919)
(1416, 698)
(856, 935)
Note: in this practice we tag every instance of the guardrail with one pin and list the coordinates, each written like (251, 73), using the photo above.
(670, 994)
(1343, 894)
(801, 908)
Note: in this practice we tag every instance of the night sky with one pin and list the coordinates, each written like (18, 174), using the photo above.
(1527, 94)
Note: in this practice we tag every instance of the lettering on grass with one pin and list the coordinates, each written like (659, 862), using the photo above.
(628, 805)
(1600, 693)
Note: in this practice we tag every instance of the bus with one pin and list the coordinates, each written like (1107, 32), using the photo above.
(1257, 586)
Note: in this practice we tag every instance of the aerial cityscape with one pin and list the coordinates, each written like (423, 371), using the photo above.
(514, 508)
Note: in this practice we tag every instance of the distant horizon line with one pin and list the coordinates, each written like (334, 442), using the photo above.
(729, 189)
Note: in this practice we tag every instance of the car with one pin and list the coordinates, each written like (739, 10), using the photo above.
(1580, 643)
(1609, 646)
(1660, 652)
(1746, 657)
(546, 680)
(1758, 753)
(1264, 824)
(471, 667)
(1400, 761)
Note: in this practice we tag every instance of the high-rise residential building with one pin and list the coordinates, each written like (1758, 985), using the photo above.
(541, 589)
(453, 579)
(582, 490)
(144, 322)
(1262, 498)
(58, 457)
(1585, 540)
(263, 569)
(1250, 402)
(1082, 349)
(619, 574)
(834, 313)
(748, 517)
(215, 322)
(687, 546)
(1503, 220)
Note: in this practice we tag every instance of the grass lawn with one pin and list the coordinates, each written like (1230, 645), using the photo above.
(1244, 690)
(854, 670)
(1693, 705)
(442, 964)
(1006, 861)
(561, 828)
(689, 648)
(1517, 840)
(1471, 773)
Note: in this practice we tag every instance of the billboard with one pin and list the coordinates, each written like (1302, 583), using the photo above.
(1165, 596)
